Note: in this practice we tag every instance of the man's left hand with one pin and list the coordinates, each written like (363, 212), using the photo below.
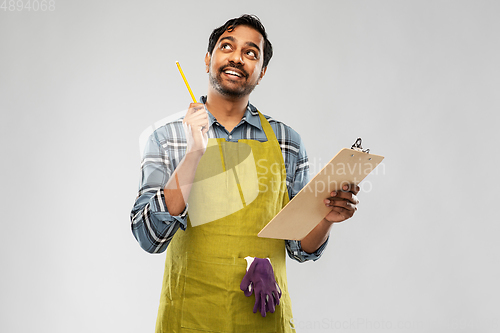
(343, 203)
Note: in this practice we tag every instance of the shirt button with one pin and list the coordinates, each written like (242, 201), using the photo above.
(230, 136)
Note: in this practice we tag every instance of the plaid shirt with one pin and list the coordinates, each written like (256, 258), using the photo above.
(154, 227)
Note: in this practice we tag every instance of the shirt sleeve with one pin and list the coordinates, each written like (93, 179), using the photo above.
(300, 179)
(152, 225)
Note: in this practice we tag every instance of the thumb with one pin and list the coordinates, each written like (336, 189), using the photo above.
(245, 285)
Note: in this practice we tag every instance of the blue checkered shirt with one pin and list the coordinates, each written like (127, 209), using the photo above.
(154, 227)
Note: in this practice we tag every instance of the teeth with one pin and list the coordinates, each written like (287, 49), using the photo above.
(232, 73)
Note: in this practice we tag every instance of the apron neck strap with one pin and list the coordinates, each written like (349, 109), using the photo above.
(268, 130)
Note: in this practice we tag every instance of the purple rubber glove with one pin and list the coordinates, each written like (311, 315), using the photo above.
(260, 278)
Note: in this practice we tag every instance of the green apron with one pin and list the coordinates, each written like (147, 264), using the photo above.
(238, 188)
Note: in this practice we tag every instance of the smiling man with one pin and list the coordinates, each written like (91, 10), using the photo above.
(210, 184)
(224, 65)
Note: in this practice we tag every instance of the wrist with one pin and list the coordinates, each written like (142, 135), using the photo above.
(194, 155)
(326, 223)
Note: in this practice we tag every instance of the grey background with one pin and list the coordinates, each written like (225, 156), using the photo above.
(417, 80)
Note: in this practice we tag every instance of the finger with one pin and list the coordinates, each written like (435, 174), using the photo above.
(270, 304)
(257, 303)
(277, 297)
(246, 286)
(200, 117)
(197, 124)
(193, 109)
(196, 117)
(344, 213)
(199, 121)
(198, 112)
(263, 304)
(335, 198)
(341, 204)
(336, 195)
(204, 130)
(346, 195)
(353, 188)
(245, 282)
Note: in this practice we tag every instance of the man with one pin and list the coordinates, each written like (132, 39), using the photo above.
(208, 164)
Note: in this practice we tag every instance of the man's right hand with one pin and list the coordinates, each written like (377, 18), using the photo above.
(196, 127)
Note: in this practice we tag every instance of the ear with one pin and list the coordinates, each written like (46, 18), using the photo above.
(262, 73)
(207, 62)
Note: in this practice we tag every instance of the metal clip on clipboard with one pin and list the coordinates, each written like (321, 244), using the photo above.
(357, 146)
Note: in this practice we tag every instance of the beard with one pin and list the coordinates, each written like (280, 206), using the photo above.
(242, 89)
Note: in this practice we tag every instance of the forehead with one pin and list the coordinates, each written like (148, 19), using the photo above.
(243, 34)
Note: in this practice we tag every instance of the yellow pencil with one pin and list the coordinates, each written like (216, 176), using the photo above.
(185, 81)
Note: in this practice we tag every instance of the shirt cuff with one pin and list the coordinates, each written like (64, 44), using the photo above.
(160, 211)
(315, 255)
(182, 217)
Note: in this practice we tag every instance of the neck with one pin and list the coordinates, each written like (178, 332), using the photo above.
(227, 110)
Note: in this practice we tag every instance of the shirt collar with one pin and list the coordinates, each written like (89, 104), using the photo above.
(251, 115)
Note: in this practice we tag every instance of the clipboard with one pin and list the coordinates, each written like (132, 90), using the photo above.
(306, 210)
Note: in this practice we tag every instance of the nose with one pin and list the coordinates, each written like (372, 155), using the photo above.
(237, 57)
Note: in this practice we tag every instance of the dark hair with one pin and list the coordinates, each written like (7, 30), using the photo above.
(251, 21)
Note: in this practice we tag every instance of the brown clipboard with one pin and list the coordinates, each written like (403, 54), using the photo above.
(306, 209)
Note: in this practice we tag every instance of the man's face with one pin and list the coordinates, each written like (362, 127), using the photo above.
(235, 65)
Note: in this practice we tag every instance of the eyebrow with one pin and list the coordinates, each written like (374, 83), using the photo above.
(232, 39)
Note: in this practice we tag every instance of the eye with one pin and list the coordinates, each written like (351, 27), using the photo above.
(252, 54)
(225, 47)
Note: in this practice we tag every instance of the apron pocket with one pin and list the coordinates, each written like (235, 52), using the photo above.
(205, 300)
(213, 301)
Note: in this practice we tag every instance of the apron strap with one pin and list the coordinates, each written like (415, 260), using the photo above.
(268, 130)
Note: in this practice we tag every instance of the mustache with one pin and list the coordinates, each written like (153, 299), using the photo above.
(233, 66)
